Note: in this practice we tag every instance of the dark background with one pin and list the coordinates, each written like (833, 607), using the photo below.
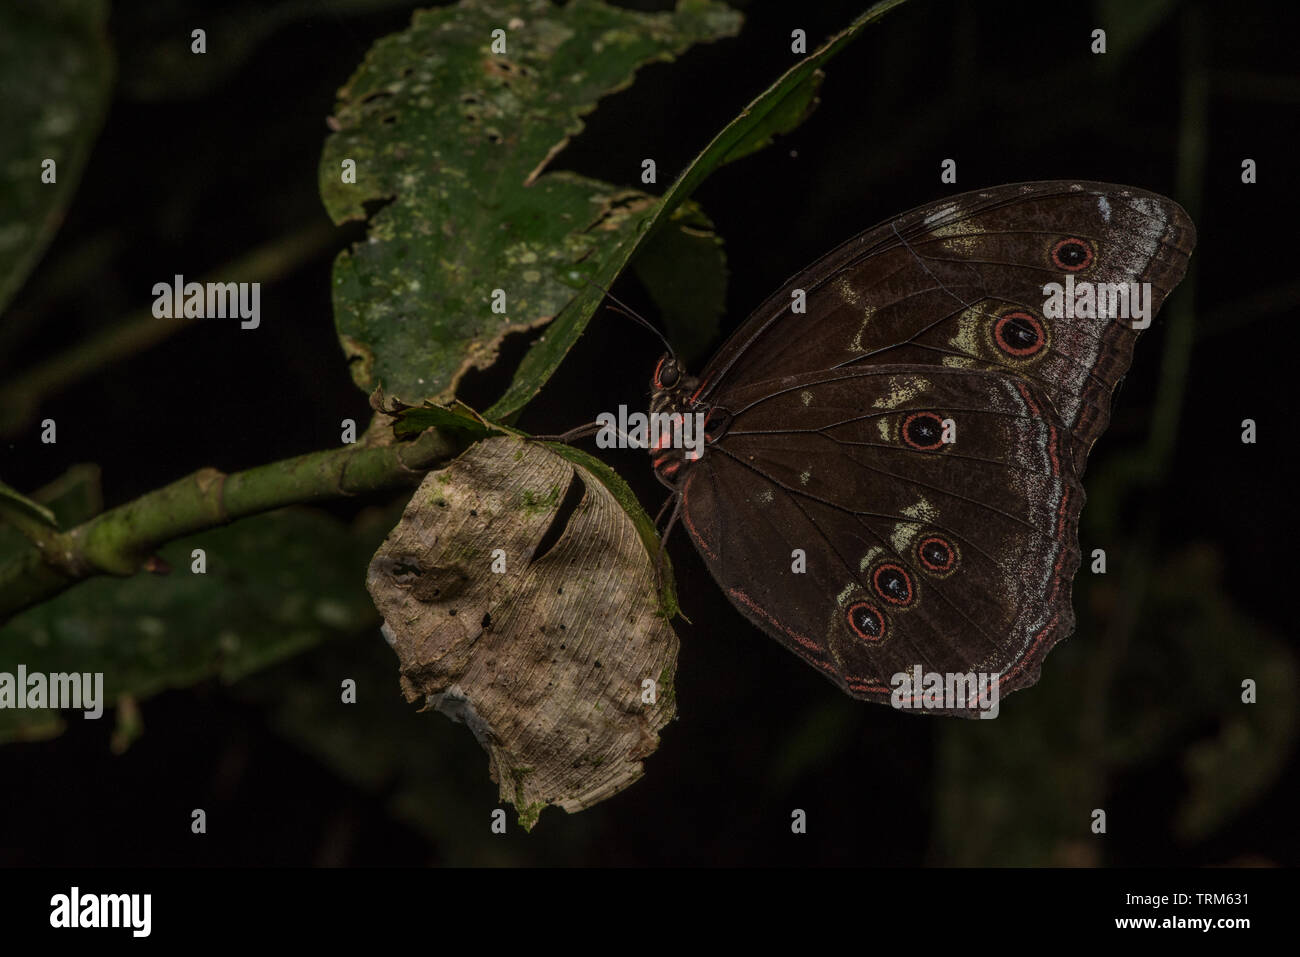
(194, 177)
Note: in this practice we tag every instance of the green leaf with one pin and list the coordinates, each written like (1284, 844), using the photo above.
(457, 418)
(769, 113)
(56, 69)
(17, 507)
(275, 585)
(684, 268)
(1127, 24)
(72, 498)
(787, 113)
(457, 138)
(75, 496)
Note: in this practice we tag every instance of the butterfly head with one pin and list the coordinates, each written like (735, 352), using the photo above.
(676, 421)
(670, 386)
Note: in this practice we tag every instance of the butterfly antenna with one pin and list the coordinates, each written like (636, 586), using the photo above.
(625, 309)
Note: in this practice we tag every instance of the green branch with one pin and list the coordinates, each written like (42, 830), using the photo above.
(121, 540)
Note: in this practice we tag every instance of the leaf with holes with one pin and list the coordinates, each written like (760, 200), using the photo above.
(451, 124)
(518, 595)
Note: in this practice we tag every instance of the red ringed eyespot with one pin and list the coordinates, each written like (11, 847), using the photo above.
(1019, 334)
(1072, 254)
(936, 554)
(866, 621)
(893, 584)
(923, 430)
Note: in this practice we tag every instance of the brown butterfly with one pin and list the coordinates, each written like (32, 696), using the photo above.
(889, 482)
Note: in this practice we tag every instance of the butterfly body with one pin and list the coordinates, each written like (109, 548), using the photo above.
(890, 478)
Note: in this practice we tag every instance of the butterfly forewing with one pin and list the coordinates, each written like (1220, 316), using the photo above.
(961, 283)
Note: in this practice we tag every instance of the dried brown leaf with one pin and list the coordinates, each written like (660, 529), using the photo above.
(548, 661)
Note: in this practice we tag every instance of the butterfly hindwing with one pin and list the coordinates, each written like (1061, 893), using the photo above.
(914, 548)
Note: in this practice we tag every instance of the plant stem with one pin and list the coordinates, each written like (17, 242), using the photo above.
(121, 540)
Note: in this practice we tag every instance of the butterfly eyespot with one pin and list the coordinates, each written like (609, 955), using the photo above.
(893, 584)
(923, 430)
(866, 621)
(1019, 334)
(1072, 254)
(936, 554)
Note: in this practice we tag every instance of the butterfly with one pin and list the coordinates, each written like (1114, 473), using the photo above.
(889, 482)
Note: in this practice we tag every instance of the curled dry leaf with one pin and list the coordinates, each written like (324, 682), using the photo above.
(520, 599)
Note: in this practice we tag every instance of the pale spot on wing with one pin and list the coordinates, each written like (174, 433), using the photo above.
(764, 496)
(922, 511)
(869, 559)
(806, 397)
(970, 324)
(902, 388)
(804, 476)
(1103, 205)
(847, 593)
(1144, 232)
(962, 246)
(956, 237)
(940, 214)
(956, 229)
(903, 535)
(856, 345)
(845, 288)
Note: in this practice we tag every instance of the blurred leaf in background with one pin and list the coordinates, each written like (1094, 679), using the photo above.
(56, 71)
(1020, 790)
(162, 66)
(276, 584)
(690, 298)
